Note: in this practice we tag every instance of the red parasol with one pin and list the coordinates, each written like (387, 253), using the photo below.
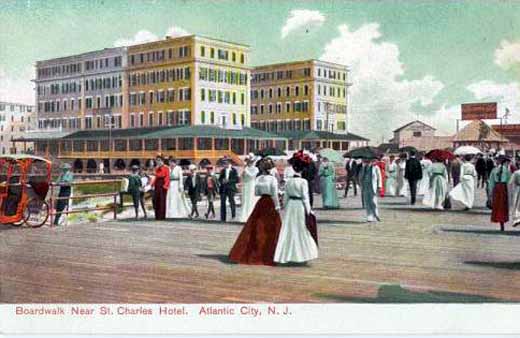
(440, 155)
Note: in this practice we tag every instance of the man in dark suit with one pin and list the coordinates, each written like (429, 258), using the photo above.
(193, 185)
(352, 168)
(228, 180)
(413, 173)
(480, 167)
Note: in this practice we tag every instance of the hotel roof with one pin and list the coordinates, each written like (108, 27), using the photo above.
(300, 61)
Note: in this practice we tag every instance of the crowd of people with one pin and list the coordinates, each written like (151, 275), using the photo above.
(443, 183)
(270, 237)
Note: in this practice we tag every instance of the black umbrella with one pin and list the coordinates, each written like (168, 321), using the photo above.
(368, 153)
(270, 152)
(408, 149)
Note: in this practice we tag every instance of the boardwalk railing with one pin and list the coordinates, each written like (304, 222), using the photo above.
(53, 198)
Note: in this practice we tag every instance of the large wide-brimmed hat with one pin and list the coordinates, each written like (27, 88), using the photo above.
(192, 167)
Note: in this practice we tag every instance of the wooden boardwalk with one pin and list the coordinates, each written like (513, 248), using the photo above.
(414, 255)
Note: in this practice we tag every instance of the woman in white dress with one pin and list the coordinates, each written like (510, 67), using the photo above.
(464, 192)
(401, 186)
(249, 198)
(391, 177)
(515, 198)
(424, 184)
(295, 243)
(176, 203)
(438, 186)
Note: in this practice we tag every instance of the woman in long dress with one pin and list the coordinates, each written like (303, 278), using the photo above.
(424, 184)
(257, 241)
(391, 177)
(371, 184)
(401, 188)
(464, 192)
(438, 186)
(176, 203)
(515, 198)
(498, 192)
(249, 198)
(327, 176)
(295, 243)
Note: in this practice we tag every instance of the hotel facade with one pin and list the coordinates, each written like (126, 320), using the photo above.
(300, 96)
(187, 97)
(15, 120)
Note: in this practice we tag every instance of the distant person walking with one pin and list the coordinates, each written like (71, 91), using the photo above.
(413, 173)
(371, 184)
(352, 168)
(480, 167)
(328, 185)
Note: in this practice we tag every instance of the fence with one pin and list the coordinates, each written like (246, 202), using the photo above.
(53, 199)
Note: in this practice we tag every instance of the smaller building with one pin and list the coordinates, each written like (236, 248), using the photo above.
(480, 135)
(511, 132)
(416, 134)
(15, 120)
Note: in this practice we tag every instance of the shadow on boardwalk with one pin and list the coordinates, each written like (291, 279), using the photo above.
(397, 294)
(497, 265)
(483, 232)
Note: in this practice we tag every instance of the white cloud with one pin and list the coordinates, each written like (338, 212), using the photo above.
(139, 37)
(144, 36)
(17, 88)
(302, 18)
(508, 54)
(176, 31)
(506, 95)
(380, 98)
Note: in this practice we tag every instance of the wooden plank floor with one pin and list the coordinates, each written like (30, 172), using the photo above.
(414, 255)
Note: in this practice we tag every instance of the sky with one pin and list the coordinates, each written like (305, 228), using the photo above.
(409, 59)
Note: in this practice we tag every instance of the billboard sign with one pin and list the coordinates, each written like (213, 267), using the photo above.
(479, 111)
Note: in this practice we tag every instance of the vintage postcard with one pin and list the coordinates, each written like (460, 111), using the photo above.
(259, 167)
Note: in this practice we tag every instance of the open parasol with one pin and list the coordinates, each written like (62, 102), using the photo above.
(440, 155)
(467, 150)
(368, 153)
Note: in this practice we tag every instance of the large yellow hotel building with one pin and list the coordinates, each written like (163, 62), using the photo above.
(189, 80)
(300, 96)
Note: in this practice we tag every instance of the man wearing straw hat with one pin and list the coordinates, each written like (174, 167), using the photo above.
(64, 181)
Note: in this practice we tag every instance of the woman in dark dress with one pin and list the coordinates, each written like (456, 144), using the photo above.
(256, 243)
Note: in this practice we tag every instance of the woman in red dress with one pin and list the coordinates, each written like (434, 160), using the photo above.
(161, 184)
(382, 165)
(257, 241)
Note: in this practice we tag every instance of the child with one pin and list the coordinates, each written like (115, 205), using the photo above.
(136, 191)
(211, 188)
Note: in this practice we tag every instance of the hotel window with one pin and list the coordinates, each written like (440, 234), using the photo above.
(212, 117)
(219, 96)
(242, 98)
(305, 106)
(141, 119)
(203, 117)
(287, 107)
(170, 118)
(242, 58)
(306, 90)
(212, 53)
(88, 122)
(261, 93)
(234, 98)
(150, 119)
(234, 119)
(233, 57)
(242, 119)
(202, 51)
(203, 94)
(270, 108)
(170, 95)
(270, 93)
(287, 91)
(278, 107)
(227, 97)
(319, 124)
(261, 109)
(279, 90)
(319, 71)
(132, 120)
(160, 119)
(341, 125)
(150, 95)
(297, 91)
